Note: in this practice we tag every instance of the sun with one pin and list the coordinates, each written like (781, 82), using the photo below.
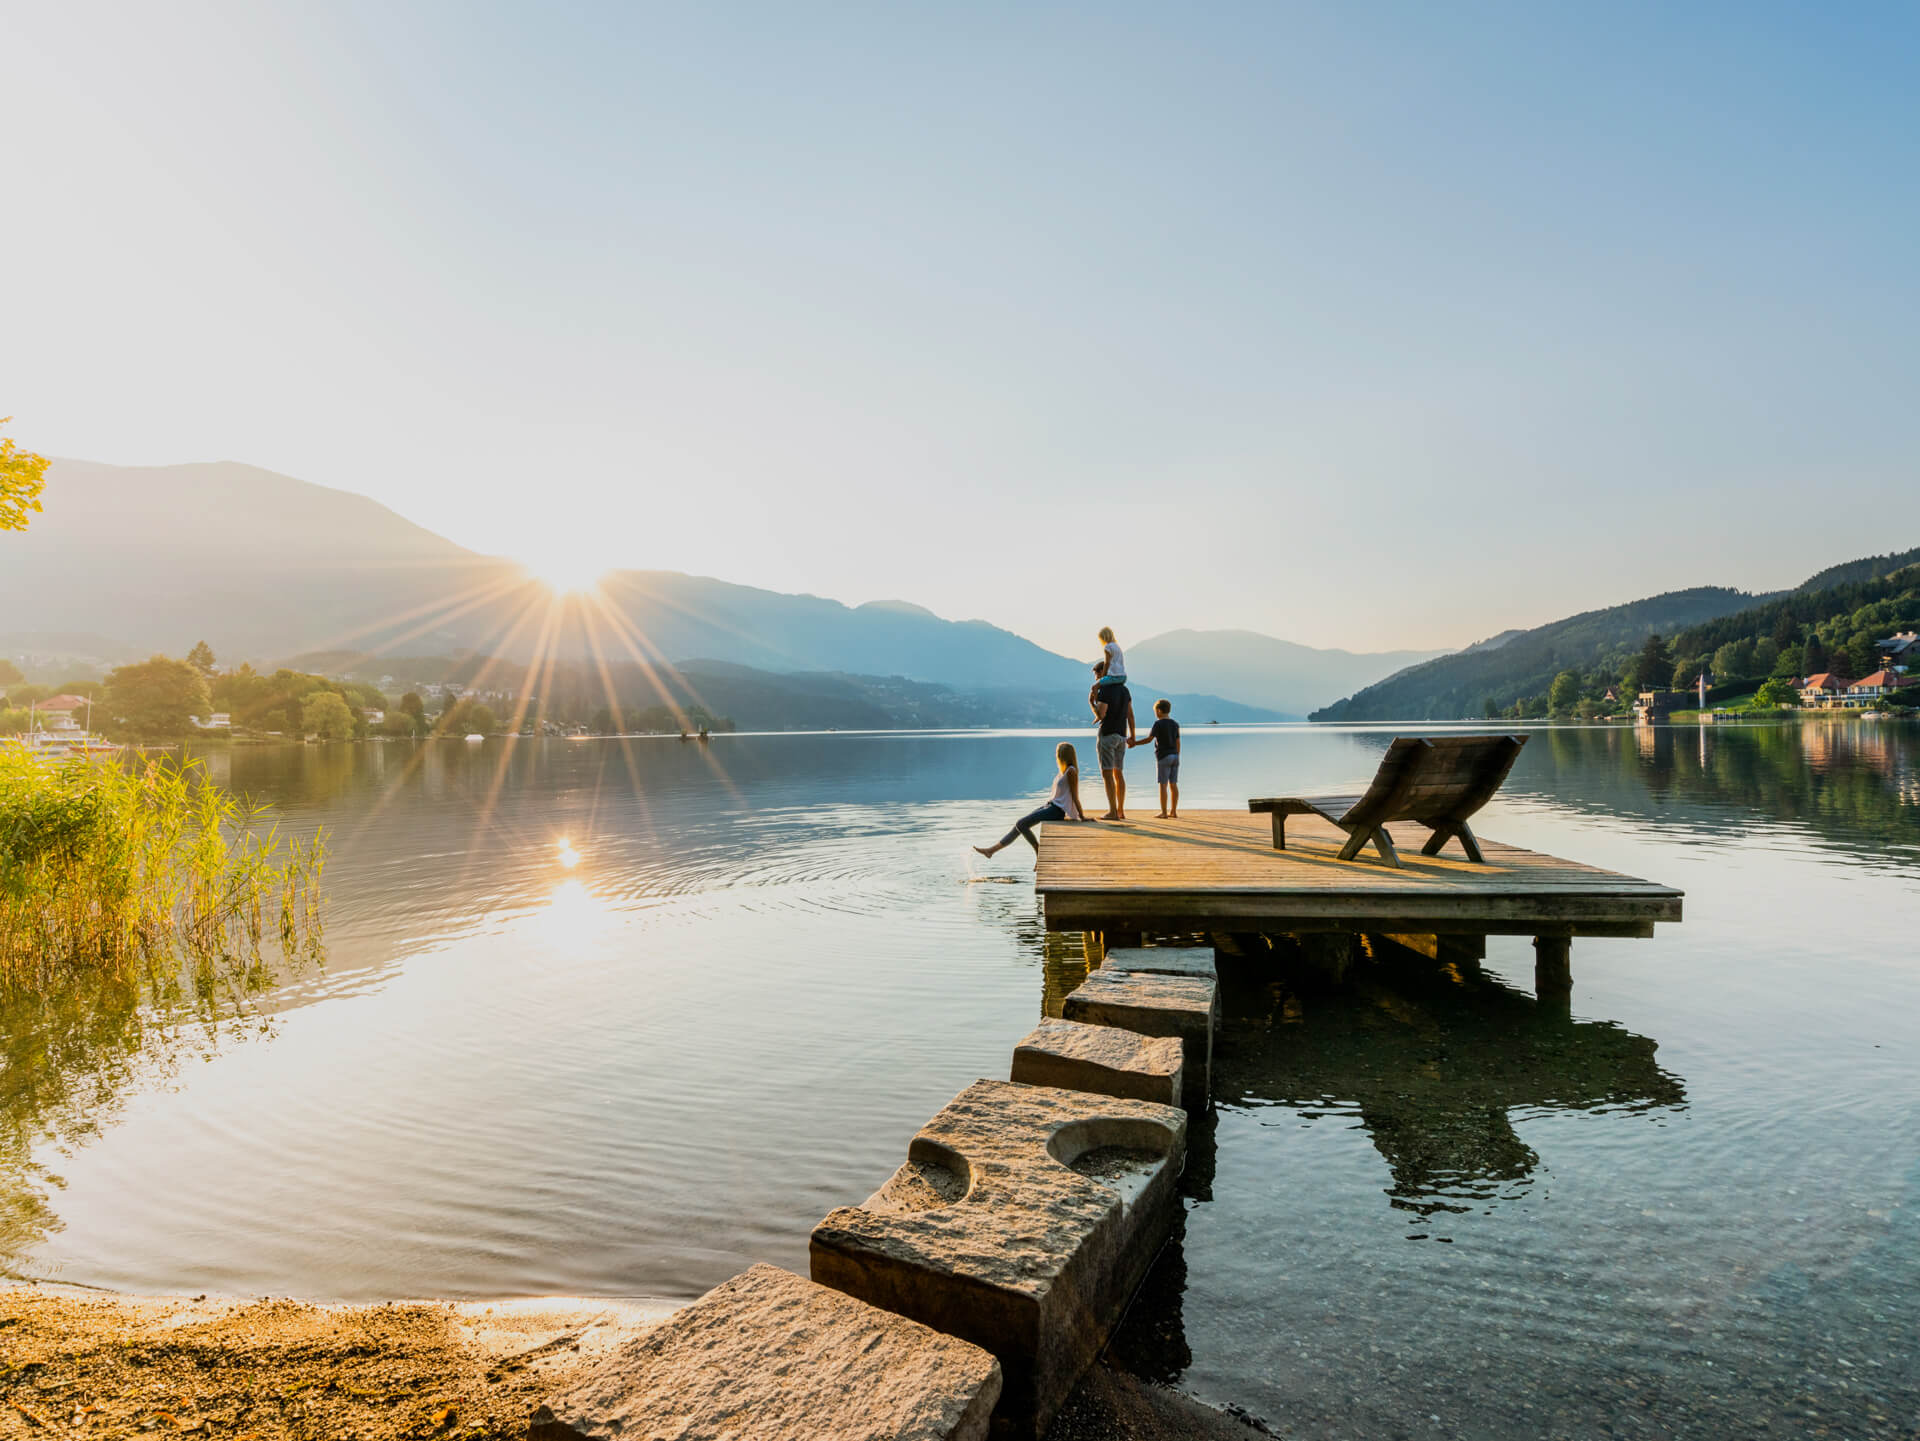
(566, 573)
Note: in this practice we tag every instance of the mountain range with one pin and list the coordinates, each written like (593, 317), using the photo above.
(130, 560)
(1515, 664)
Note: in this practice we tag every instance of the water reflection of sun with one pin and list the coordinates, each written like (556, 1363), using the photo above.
(572, 916)
(568, 856)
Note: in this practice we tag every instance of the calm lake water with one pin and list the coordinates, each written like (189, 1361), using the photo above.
(622, 1018)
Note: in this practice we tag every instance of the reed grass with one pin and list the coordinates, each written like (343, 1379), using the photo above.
(121, 869)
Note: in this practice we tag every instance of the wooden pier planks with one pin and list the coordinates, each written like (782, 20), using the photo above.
(1217, 870)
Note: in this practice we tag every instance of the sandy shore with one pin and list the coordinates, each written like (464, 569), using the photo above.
(79, 1364)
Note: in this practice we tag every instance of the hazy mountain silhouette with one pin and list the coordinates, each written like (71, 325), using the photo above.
(263, 566)
(1292, 679)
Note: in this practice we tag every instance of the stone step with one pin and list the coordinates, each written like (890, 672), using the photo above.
(1163, 960)
(1023, 1221)
(772, 1356)
(1156, 1005)
(1100, 1059)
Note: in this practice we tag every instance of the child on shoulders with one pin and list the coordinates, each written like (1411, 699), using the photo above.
(1116, 673)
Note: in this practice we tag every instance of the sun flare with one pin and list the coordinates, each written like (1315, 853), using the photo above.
(566, 574)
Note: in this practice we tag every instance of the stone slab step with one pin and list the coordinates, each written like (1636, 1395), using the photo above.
(1163, 960)
(774, 1357)
(1156, 1005)
(1101, 1059)
(1023, 1221)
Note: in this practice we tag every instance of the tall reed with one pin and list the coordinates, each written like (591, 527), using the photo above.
(118, 868)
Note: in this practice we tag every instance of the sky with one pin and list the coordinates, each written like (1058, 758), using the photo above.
(1371, 326)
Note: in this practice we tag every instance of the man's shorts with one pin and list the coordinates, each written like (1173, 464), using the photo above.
(1113, 750)
(1169, 768)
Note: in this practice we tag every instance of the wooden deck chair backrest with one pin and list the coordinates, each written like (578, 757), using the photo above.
(1435, 779)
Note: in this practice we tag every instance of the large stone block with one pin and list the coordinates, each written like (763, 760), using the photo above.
(1101, 1059)
(1023, 1221)
(774, 1357)
(1164, 960)
(1156, 1005)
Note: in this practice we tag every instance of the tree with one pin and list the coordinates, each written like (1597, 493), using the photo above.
(1490, 708)
(9, 673)
(1766, 655)
(1791, 663)
(1654, 664)
(1775, 692)
(23, 475)
(1686, 671)
(1563, 693)
(155, 698)
(411, 704)
(201, 658)
(1863, 656)
(1786, 631)
(1733, 660)
(326, 715)
(1813, 657)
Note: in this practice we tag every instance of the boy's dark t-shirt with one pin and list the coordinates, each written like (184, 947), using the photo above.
(1166, 737)
(1117, 698)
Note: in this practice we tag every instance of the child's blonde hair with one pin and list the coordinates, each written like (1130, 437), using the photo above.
(1106, 634)
(1064, 753)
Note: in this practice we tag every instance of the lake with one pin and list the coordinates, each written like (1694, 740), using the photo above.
(621, 1018)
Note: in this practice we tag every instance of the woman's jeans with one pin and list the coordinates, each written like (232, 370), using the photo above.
(1024, 826)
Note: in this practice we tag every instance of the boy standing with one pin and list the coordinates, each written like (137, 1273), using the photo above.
(1165, 735)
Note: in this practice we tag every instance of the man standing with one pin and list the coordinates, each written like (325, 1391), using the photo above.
(1113, 709)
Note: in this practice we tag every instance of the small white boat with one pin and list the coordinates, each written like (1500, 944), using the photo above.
(475, 736)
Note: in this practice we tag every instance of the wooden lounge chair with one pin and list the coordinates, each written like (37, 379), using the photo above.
(1438, 782)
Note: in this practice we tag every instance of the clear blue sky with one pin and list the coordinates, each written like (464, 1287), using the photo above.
(1364, 325)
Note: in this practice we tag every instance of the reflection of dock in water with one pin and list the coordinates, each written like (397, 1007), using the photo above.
(1435, 1058)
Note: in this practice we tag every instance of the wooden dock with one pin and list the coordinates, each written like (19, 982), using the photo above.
(1217, 871)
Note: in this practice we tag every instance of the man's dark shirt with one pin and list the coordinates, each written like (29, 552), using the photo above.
(1166, 737)
(1117, 698)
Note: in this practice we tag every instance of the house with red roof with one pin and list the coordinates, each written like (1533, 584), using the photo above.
(1823, 689)
(1880, 683)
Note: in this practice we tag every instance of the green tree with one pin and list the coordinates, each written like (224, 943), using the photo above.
(1733, 660)
(1654, 665)
(155, 698)
(1766, 655)
(411, 704)
(1814, 658)
(326, 715)
(9, 673)
(1490, 708)
(23, 475)
(1791, 663)
(1775, 691)
(201, 658)
(1863, 656)
(1686, 670)
(1564, 692)
(1786, 631)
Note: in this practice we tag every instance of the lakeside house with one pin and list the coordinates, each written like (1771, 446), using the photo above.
(1822, 690)
(1881, 683)
(1899, 651)
(219, 721)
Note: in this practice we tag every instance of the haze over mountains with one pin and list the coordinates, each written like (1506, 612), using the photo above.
(130, 560)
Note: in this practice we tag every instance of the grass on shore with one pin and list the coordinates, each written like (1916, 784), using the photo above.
(114, 868)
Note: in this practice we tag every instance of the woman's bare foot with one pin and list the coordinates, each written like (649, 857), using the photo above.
(988, 851)
(1162, 815)
(1113, 816)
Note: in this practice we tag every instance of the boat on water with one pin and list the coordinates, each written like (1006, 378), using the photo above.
(60, 745)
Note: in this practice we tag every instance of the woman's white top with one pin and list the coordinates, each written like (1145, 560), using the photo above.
(1116, 661)
(1063, 793)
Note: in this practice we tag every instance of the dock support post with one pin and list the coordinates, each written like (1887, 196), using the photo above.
(1096, 948)
(1552, 965)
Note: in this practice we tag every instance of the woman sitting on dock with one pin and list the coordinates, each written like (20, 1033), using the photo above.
(1063, 805)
